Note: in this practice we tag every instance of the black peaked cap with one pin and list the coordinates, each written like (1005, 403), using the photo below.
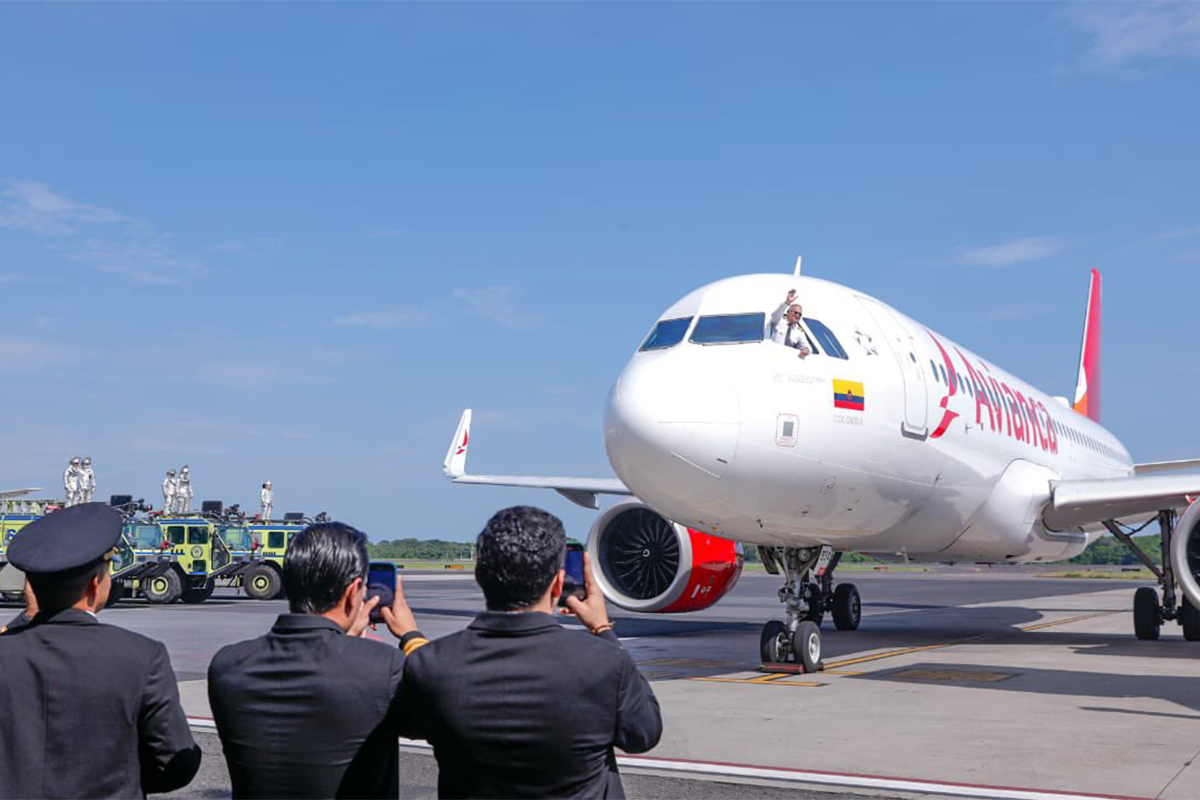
(66, 540)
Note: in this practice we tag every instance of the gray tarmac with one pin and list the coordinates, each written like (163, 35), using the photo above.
(958, 679)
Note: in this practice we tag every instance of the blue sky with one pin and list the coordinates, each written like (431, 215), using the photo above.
(294, 241)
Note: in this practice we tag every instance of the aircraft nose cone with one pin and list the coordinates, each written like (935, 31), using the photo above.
(668, 430)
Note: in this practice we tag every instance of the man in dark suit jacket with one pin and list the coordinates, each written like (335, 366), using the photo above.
(310, 709)
(516, 705)
(89, 710)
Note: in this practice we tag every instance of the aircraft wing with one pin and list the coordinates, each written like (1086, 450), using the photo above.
(7, 493)
(1166, 466)
(581, 491)
(1074, 503)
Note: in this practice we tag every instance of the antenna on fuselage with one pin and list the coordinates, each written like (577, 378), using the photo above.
(796, 271)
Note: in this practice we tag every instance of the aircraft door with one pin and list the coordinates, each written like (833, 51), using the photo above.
(904, 350)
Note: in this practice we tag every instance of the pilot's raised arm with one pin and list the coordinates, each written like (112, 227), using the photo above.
(785, 325)
(778, 330)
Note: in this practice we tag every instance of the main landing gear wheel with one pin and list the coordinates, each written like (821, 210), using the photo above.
(806, 645)
(774, 644)
(1147, 613)
(1189, 618)
(847, 607)
(164, 588)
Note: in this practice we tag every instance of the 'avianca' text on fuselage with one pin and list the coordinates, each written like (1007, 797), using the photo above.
(1008, 411)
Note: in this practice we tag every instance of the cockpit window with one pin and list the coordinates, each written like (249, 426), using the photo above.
(729, 328)
(667, 333)
(825, 338)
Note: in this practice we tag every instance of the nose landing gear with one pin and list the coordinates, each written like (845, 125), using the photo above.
(807, 593)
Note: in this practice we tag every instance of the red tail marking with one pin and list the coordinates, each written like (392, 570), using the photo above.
(1087, 391)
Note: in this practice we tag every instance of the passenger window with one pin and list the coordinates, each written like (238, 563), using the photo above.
(826, 339)
(667, 333)
(729, 329)
(275, 540)
(197, 535)
(175, 534)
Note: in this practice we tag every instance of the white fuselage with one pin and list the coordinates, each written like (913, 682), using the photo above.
(946, 457)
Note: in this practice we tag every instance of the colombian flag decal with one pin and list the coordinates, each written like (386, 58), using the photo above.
(849, 394)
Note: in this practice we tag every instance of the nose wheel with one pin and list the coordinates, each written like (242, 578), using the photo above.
(807, 593)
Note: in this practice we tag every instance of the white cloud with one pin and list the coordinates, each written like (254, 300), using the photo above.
(1177, 233)
(1015, 251)
(35, 207)
(107, 240)
(394, 317)
(1125, 34)
(18, 355)
(496, 303)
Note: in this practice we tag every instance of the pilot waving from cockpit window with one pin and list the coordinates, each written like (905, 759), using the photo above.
(785, 326)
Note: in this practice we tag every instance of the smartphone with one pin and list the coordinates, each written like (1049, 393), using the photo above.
(381, 583)
(573, 582)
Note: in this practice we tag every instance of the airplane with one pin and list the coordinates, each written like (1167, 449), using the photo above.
(881, 437)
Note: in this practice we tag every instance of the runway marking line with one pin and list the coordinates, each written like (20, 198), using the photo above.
(771, 679)
(834, 667)
(791, 775)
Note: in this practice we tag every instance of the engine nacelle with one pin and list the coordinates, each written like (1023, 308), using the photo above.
(645, 562)
(1185, 553)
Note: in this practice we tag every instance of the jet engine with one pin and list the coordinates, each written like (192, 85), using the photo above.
(645, 562)
(1185, 553)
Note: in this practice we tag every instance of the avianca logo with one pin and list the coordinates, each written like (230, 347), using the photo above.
(1009, 412)
(462, 448)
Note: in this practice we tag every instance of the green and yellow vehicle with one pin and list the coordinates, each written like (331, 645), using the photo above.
(258, 549)
(15, 514)
(169, 559)
(165, 559)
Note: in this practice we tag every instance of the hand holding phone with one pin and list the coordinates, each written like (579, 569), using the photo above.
(574, 582)
(381, 583)
(591, 610)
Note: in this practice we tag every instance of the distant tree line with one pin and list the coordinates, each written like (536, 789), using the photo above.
(420, 549)
(1105, 550)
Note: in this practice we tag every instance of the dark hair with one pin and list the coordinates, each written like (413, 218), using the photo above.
(518, 554)
(320, 563)
(57, 590)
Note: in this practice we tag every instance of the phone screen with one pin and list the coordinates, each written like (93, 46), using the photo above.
(381, 583)
(573, 583)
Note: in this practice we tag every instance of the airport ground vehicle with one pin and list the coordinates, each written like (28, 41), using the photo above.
(15, 514)
(260, 571)
(165, 559)
(185, 558)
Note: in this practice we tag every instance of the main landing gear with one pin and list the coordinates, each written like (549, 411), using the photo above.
(807, 593)
(1148, 613)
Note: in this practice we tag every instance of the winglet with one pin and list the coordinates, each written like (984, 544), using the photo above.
(1087, 390)
(455, 465)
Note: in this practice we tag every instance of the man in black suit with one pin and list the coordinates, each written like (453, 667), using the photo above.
(310, 709)
(516, 705)
(89, 710)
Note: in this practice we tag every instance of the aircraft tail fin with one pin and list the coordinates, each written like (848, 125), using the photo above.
(455, 465)
(1087, 389)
